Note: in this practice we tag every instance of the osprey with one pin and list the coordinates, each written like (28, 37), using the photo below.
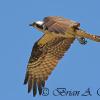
(59, 34)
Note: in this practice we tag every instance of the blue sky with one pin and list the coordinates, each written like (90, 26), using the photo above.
(80, 67)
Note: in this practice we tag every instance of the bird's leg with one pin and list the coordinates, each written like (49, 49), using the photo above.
(82, 40)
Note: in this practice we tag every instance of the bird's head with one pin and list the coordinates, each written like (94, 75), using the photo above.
(38, 25)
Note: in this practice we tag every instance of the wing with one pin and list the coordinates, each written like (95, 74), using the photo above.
(44, 57)
(59, 24)
(81, 33)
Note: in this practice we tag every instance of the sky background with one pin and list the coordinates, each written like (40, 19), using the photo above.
(78, 70)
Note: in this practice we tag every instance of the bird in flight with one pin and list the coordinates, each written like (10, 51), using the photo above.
(59, 34)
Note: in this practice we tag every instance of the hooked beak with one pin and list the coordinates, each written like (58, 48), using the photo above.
(32, 24)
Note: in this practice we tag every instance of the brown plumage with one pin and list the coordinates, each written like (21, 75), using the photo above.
(59, 34)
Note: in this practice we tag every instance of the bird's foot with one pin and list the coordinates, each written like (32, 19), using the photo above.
(82, 40)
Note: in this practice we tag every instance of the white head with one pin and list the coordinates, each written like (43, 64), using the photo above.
(38, 24)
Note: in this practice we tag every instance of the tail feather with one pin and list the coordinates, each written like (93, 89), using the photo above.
(81, 33)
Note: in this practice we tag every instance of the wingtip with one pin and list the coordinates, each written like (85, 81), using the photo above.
(34, 93)
(38, 85)
(24, 82)
(40, 90)
(98, 38)
(43, 83)
(34, 88)
(26, 78)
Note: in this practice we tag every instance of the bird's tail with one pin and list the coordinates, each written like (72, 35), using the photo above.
(81, 33)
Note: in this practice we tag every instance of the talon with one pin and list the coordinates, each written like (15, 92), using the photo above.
(82, 40)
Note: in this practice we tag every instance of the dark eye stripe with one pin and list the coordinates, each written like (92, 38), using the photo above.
(41, 27)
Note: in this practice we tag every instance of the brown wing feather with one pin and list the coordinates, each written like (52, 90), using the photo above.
(59, 24)
(81, 33)
(44, 58)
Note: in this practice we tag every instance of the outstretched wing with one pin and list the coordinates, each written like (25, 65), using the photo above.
(81, 33)
(61, 25)
(44, 57)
